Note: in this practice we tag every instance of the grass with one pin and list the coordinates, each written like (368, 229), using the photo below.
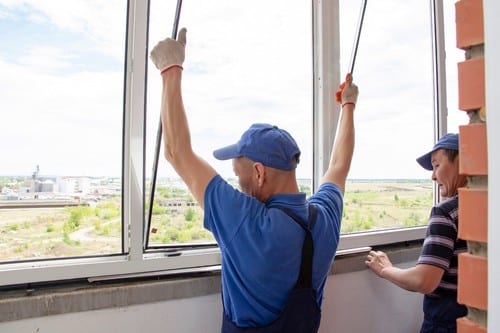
(58, 232)
(383, 205)
(83, 230)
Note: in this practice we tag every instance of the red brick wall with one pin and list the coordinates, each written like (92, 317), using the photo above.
(473, 200)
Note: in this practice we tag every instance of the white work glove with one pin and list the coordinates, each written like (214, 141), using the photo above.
(348, 92)
(169, 52)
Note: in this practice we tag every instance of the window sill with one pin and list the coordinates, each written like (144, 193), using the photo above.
(78, 296)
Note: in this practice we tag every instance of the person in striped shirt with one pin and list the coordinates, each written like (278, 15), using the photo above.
(435, 274)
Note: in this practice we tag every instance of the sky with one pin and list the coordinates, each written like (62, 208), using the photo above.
(61, 87)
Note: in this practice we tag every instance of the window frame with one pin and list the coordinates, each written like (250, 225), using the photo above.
(136, 261)
(327, 74)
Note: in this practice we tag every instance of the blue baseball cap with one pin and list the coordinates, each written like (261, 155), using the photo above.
(264, 143)
(447, 141)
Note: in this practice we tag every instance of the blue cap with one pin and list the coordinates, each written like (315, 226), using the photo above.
(447, 141)
(264, 143)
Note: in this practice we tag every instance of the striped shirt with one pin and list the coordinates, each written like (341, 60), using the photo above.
(442, 246)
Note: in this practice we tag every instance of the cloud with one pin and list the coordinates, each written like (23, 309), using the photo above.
(100, 22)
(244, 64)
(255, 68)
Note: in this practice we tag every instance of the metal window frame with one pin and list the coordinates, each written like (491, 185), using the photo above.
(134, 261)
(327, 74)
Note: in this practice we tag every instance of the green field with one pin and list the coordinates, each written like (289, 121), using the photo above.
(53, 232)
(370, 205)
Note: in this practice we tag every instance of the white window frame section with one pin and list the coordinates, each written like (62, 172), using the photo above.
(327, 76)
(135, 262)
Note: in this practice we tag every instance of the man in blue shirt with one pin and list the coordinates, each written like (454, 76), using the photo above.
(277, 246)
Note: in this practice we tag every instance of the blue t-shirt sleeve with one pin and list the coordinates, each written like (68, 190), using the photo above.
(331, 199)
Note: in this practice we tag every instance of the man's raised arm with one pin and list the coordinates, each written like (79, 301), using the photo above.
(343, 148)
(168, 56)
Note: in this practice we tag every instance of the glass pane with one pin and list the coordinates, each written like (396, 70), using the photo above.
(61, 92)
(246, 62)
(454, 55)
(394, 115)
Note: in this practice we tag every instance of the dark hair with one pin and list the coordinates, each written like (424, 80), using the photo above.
(451, 154)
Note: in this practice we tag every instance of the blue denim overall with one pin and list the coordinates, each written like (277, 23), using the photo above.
(441, 313)
(301, 313)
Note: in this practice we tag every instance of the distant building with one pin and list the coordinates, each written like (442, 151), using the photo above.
(8, 194)
(47, 186)
(177, 202)
(74, 184)
(43, 185)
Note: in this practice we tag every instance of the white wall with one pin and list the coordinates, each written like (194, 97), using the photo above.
(199, 314)
(353, 302)
(362, 302)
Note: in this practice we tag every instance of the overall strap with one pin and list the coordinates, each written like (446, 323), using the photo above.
(305, 276)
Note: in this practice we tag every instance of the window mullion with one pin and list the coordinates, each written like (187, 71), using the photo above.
(326, 74)
(439, 75)
(135, 96)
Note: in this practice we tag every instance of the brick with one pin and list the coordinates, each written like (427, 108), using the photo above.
(469, 23)
(473, 214)
(473, 150)
(472, 281)
(465, 325)
(471, 93)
